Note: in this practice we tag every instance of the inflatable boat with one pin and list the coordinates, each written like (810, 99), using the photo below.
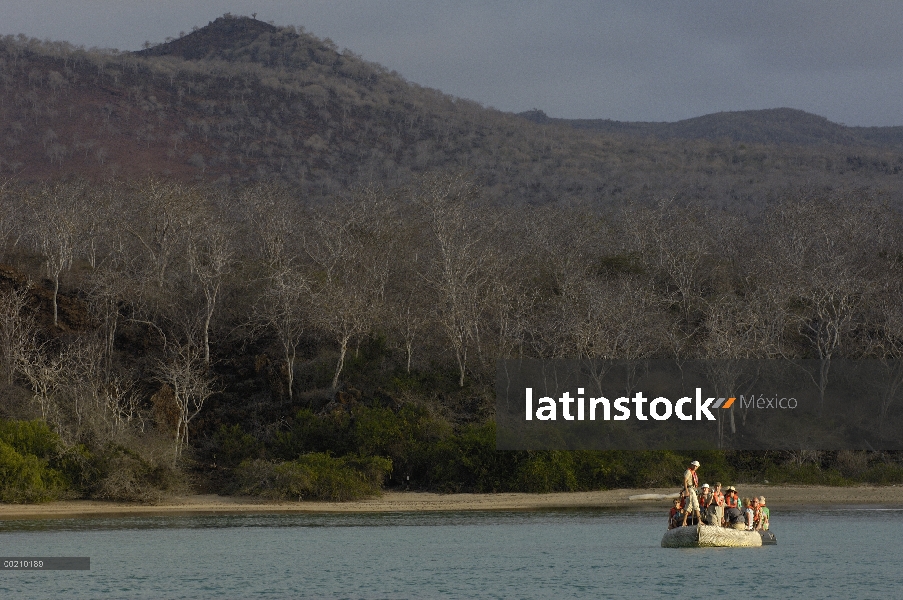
(710, 536)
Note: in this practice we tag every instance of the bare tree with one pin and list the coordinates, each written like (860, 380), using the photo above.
(407, 308)
(45, 373)
(283, 307)
(678, 244)
(17, 330)
(407, 315)
(106, 292)
(461, 269)
(819, 253)
(185, 372)
(11, 210)
(272, 218)
(94, 217)
(349, 248)
(738, 329)
(210, 257)
(56, 232)
(162, 213)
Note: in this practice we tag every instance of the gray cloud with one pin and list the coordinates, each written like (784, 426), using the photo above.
(624, 60)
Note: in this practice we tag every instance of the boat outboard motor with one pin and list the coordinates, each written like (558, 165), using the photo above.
(768, 538)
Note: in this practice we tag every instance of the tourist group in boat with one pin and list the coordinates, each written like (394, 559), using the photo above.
(712, 506)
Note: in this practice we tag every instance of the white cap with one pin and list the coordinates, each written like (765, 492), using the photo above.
(705, 485)
(695, 463)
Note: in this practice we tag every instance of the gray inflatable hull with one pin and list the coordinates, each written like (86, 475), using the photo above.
(708, 536)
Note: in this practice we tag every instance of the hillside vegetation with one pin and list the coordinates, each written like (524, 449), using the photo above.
(300, 348)
(240, 101)
(244, 261)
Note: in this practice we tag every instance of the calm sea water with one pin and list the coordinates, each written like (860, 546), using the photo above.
(823, 553)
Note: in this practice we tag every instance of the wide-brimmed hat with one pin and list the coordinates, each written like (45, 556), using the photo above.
(731, 488)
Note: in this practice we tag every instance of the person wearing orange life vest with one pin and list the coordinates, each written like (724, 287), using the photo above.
(691, 488)
(674, 514)
(757, 513)
(715, 512)
(731, 507)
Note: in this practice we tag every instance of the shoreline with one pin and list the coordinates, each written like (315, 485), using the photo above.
(393, 501)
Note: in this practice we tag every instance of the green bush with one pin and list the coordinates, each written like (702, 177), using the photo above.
(807, 474)
(406, 437)
(27, 478)
(315, 476)
(313, 433)
(232, 445)
(884, 473)
(551, 471)
(468, 462)
(655, 468)
(30, 437)
(597, 470)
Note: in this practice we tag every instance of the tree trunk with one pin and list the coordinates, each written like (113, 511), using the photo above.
(290, 370)
(56, 291)
(341, 363)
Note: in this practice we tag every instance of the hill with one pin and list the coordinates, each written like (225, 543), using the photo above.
(240, 101)
(771, 126)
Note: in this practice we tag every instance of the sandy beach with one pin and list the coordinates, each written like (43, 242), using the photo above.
(641, 499)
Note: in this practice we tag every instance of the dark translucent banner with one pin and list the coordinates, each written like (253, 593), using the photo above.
(45, 563)
(699, 404)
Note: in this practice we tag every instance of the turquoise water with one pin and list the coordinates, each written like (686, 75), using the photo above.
(838, 553)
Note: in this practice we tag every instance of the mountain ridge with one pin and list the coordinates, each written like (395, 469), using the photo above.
(765, 126)
(240, 101)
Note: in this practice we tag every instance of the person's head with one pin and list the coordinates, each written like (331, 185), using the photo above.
(694, 465)
(761, 500)
(676, 502)
(717, 485)
(755, 501)
(705, 488)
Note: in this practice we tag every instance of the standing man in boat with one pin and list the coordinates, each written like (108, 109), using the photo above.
(691, 487)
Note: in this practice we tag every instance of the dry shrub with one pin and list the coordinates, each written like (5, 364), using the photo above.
(852, 464)
(315, 476)
(125, 475)
(166, 409)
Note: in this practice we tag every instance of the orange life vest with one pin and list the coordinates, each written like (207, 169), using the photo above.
(718, 499)
(730, 501)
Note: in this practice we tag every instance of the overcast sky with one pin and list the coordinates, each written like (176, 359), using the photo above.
(627, 60)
